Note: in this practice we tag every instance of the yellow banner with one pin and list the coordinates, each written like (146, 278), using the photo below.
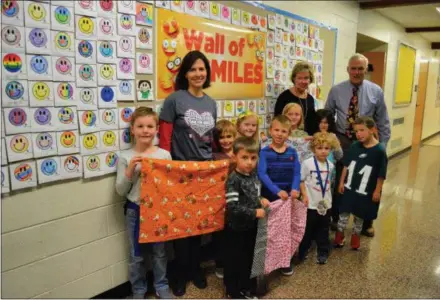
(236, 54)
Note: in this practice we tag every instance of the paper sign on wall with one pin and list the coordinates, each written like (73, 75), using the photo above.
(127, 7)
(107, 74)
(41, 93)
(145, 90)
(109, 140)
(126, 25)
(88, 121)
(126, 45)
(15, 93)
(17, 120)
(86, 75)
(107, 97)
(91, 166)
(144, 63)
(125, 116)
(40, 67)
(63, 43)
(107, 28)
(71, 166)
(125, 68)
(67, 118)
(86, 8)
(12, 13)
(62, 68)
(107, 8)
(88, 98)
(62, 18)
(90, 143)
(106, 52)
(44, 144)
(86, 51)
(23, 175)
(67, 142)
(37, 14)
(108, 119)
(126, 90)
(5, 186)
(144, 37)
(38, 41)
(48, 169)
(14, 66)
(19, 147)
(43, 119)
(85, 27)
(13, 38)
(65, 93)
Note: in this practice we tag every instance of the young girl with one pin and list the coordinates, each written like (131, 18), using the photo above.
(247, 125)
(366, 165)
(224, 135)
(294, 112)
(326, 123)
(143, 128)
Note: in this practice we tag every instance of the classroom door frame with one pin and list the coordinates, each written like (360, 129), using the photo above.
(420, 104)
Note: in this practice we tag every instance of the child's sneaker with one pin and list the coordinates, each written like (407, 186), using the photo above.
(322, 259)
(287, 271)
(355, 241)
(339, 240)
(247, 295)
(164, 294)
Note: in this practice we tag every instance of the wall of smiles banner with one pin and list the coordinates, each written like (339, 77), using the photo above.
(74, 71)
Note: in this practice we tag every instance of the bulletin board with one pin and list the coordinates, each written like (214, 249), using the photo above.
(405, 69)
(74, 71)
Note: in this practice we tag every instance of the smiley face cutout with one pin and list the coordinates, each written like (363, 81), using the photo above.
(41, 91)
(19, 144)
(90, 141)
(68, 139)
(86, 26)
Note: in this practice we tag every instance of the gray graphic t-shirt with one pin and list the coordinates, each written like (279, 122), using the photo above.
(194, 120)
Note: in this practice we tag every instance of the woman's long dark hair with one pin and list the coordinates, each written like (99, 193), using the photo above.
(326, 114)
(187, 63)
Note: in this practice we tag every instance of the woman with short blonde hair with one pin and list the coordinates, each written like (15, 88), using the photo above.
(302, 76)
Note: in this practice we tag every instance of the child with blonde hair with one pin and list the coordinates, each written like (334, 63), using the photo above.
(316, 173)
(247, 125)
(294, 113)
(143, 128)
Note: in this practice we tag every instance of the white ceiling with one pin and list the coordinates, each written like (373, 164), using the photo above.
(415, 16)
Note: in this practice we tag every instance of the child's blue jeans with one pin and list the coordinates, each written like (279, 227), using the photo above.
(139, 254)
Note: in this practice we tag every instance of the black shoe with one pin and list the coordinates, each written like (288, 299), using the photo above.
(199, 280)
(368, 232)
(322, 259)
(247, 295)
(180, 288)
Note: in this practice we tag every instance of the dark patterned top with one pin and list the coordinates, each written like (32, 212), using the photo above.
(242, 200)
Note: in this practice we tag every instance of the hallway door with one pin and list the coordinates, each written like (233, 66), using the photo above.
(420, 105)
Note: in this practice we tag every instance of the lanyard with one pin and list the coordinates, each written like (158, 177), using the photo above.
(323, 185)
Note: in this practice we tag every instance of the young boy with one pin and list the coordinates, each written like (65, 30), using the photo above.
(243, 207)
(316, 173)
(278, 168)
(366, 166)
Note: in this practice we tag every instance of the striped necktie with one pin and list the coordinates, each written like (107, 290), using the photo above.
(352, 114)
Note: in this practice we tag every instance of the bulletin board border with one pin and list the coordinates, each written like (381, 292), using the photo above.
(299, 18)
(399, 43)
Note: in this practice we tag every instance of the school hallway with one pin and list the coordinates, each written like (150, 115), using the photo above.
(401, 261)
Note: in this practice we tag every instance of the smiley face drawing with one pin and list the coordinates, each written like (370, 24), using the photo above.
(90, 141)
(106, 5)
(66, 115)
(204, 6)
(88, 118)
(85, 49)
(86, 25)
(107, 94)
(17, 117)
(144, 35)
(109, 138)
(38, 38)
(125, 44)
(62, 15)
(126, 114)
(106, 49)
(23, 172)
(111, 159)
(106, 26)
(10, 8)
(14, 90)
(144, 60)
(108, 117)
(71, 164)
(86, 72)
(63, 66)
(12, 63)
(42, 116)
(86, 4)
(125, 65)
(68, 139)
(107, 72)
(44, 141)
(93, 163)
(126, 22)
(49, 167)
(174, 63)
(126, 136)
(37, 11)
(62, 41)
(41, 90)
(39, 64)
(65, 91)
(19, 144)
(11, 35)
(125, 87)
(86, 95)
